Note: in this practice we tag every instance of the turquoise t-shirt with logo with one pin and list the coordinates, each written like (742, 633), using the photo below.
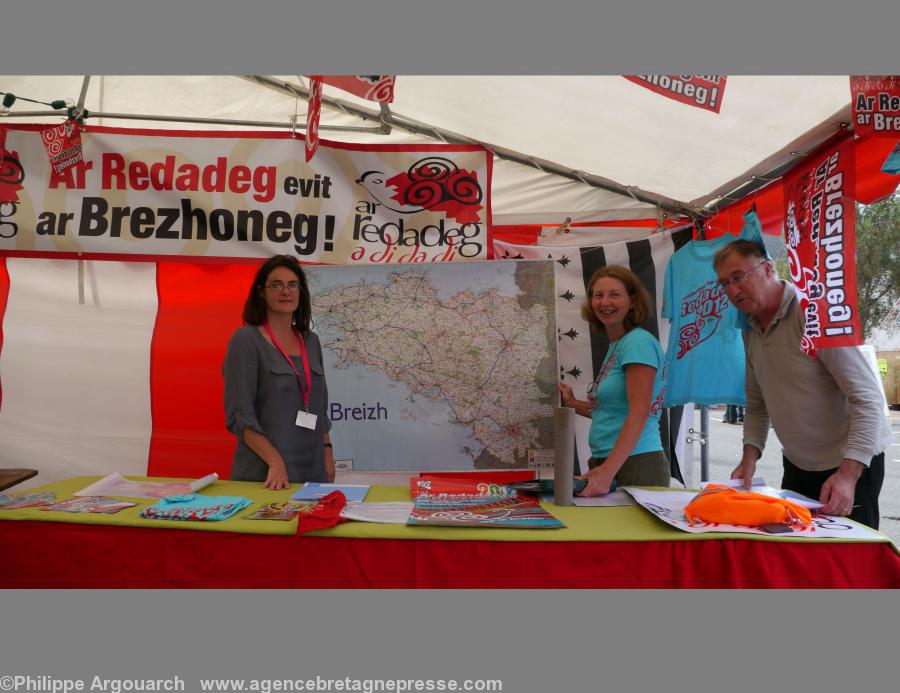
(611, 394)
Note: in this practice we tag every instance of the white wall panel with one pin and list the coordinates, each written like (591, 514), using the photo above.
(76, 378)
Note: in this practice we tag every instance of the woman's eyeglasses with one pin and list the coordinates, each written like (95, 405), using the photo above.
(279, 286)
(739, 277)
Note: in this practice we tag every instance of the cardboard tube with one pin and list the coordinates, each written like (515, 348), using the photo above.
(564, 468)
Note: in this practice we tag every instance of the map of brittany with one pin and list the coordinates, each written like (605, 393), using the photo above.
(439, 367)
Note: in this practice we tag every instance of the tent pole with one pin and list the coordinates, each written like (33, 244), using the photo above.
(704, 409)
(79, 107)
(775, 166)
(201, 121)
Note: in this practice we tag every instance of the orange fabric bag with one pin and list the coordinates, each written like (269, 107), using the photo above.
(726, 505)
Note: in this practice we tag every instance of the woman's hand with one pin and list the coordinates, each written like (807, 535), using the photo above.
(277, 478)
(568, 396)
(329, 465)
(599, 480)
(581, 407)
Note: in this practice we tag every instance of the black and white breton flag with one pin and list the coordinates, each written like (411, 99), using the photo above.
(580, 350)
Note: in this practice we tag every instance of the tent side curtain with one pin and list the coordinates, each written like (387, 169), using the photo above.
(199, 308)
(4, 296)
(130, 380)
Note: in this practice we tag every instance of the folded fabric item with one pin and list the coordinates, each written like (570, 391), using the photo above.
(193, 506)
(326, 513)
(724, 505)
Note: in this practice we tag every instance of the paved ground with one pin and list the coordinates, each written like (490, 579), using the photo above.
(725, 452)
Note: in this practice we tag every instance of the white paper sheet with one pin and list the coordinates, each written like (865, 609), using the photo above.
(117, 485)
(617, 497)
(385, 513)
(669, 507)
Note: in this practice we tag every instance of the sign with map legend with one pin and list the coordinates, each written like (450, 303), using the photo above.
(438, 366)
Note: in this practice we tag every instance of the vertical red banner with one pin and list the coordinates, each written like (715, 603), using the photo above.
(199, 308)
(820, 231)
(4, 296)
(313, 109)
(876, 105)
(11, 177)
(63, 145)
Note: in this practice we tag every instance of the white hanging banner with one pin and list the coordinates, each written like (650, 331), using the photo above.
(244, 195)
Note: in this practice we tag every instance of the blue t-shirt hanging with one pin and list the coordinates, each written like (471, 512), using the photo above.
(611, 395)
(705, 355)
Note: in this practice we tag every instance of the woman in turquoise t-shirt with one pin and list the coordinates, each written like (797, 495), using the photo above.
(625, 400)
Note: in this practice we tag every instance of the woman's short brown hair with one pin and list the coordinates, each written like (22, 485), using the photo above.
(641, 306)
(255, 305)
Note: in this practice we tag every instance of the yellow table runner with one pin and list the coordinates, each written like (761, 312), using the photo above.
(626, 523)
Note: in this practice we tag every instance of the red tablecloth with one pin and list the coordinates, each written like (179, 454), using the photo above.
(53, 554)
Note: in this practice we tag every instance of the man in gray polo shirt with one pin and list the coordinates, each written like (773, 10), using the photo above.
(827, 411)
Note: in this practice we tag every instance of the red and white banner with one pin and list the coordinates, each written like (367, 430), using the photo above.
(372, 87)
(313, 111)
(876, 105)
(820, 232)
(63, 145)
(244, 195)
(10, 178)
(702, 91)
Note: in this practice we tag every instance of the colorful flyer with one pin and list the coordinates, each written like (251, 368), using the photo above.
(477, 511)
(90, 504)
(279, 511)
(29, 500)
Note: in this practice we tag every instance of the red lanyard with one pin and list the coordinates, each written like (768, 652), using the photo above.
(304, 387)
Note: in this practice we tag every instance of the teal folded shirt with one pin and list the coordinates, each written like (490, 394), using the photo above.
(197, 508)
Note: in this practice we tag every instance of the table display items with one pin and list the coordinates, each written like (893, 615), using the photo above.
(279, 511)
(90, 504)
(671, 507)
(28, 500)
(477, 511)
(194, 507)
(312, 491)
(117, 485)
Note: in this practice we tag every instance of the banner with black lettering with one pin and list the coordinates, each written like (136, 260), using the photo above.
(876, 105)
(820, 233)
(195, 194)
(701, 91)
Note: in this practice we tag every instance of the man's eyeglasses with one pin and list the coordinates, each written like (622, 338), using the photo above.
(279, 286)
(739, 277)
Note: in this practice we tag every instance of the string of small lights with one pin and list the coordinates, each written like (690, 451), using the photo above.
(9, 99)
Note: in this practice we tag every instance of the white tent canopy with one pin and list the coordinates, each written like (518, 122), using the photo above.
(601, 128)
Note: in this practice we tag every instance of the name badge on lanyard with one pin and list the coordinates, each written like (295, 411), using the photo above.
(304, 418)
